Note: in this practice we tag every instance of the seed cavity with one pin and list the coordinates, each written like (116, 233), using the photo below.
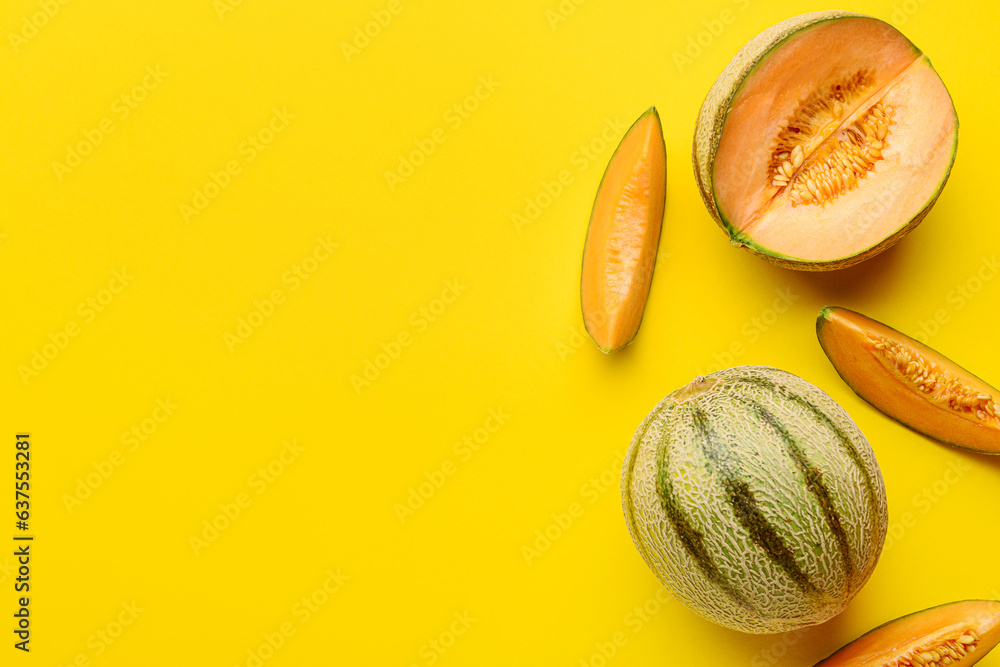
(843, 161)
(944, 652)
(939, 384)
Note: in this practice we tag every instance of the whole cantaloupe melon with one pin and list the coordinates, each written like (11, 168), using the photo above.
(754, 497)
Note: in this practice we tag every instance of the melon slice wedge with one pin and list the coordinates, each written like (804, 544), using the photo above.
(826, 139)
(623, 236)
(957, 634)
(910, 382)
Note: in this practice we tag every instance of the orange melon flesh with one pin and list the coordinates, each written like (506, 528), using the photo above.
(924, 632)
(936, 406)
(914, 166)
(623, 236)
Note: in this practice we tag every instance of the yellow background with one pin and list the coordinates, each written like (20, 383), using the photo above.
(509, 342)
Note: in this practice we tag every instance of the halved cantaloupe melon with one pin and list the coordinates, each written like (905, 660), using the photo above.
(826, 139)
(623, 236)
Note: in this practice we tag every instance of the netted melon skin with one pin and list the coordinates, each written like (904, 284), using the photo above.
(756, 594)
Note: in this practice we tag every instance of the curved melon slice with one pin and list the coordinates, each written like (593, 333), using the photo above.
(623, 236)
(910, 382)
(957, 634)
(826, 139)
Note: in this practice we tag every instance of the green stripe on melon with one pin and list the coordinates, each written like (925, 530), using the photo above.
(753, 496)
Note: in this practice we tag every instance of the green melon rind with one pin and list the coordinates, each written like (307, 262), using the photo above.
(645, 521)
(628, 506)
(824, 316)
(708, 134)
(651, 110)
(900, 619)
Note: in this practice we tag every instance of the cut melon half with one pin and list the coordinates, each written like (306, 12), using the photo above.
(826, 139)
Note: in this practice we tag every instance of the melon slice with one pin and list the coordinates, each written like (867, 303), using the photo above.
(910, 382)
(957, 634)
(826, 139)
(623, 235)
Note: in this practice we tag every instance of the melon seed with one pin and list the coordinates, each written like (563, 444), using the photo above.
(818, 115)
(841, 164)
(798, 155)
(942, 653)
(927, 378)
